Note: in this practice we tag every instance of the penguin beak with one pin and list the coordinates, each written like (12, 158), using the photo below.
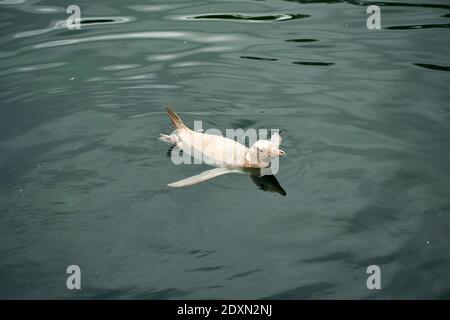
(281, 153)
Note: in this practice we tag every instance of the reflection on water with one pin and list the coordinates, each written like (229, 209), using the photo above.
(248, 18)
(365, 121)
(267, 183)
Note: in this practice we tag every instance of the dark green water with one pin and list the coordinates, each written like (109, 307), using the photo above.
(366, 126)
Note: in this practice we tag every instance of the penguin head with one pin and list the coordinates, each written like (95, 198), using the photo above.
(262, 151)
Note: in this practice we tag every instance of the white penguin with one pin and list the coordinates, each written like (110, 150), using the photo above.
(225, 154)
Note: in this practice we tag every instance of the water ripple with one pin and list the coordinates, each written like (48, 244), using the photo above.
(432, 66)
(30, 68)
(247, 18)
(176, 35)
(12, 1)
(308, 63)
(117, 67)
(258, 58)
(153, 8)
(420, 26)
(182, 54)
(378, 3)
(85, 22)
(301, 40)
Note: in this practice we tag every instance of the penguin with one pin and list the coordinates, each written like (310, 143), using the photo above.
(226, 155)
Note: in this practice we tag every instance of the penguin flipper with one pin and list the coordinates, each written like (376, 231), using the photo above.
(201, 177)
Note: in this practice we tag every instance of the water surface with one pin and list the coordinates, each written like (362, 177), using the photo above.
(364, 115)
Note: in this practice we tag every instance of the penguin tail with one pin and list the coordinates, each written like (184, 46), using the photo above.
(174, 118)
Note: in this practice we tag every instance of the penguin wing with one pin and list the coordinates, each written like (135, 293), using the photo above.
(205, 175)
